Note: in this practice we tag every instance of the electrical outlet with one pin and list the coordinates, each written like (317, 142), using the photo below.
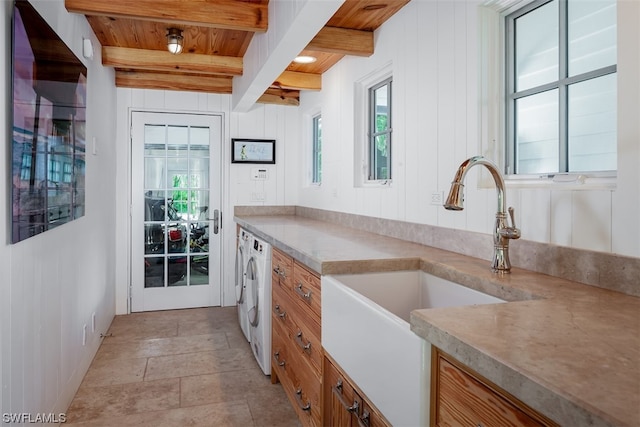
(84, 334)
(437, 198)
(257, 196)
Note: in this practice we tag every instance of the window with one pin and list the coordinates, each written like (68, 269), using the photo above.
(316, 159)
(561, 87)
(54, 170)
(379, 134)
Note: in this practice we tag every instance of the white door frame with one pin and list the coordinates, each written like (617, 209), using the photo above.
(218, 176)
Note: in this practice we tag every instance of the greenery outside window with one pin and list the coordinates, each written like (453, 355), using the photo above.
(379, 134)
(316, 160)
(561, 87)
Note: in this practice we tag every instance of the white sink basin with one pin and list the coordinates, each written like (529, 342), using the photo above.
(365, 328)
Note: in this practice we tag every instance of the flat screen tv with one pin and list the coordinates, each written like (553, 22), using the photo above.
(48, 135)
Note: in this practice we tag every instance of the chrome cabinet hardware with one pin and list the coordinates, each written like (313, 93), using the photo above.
(280, 272)
(304, 295)
(301, 404)
(305, 347)
(365, 419)
(276, 358)
(337, 390)
(277, 311)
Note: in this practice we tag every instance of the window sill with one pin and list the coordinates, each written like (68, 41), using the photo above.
(562, 182)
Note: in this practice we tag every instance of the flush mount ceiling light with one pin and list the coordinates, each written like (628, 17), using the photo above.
(174, 40)
(304, 59)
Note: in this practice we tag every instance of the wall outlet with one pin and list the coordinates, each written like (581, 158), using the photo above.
(437, 198)
(257, 196)
(84, 334)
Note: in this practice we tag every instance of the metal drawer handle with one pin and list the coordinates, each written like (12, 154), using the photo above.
(304, 407)
(280, 271)
(276, 358)
(305, 347)
(302, 294)
(337, 390)
(277, 311)
(365, 419)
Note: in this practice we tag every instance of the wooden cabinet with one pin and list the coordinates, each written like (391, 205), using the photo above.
(295, 339)
(344, 404)
(461, 397)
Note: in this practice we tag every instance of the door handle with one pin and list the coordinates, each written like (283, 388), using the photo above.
(216, 221)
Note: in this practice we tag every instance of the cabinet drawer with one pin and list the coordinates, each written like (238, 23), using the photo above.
(301, 330)
(282, 268)
(344, 404)
(464, 399)
(306, 289)
(300, 382)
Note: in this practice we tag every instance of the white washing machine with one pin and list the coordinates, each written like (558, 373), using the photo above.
(245, 245)
(259, 303)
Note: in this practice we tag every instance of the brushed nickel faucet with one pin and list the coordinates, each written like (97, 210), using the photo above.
(502, 231)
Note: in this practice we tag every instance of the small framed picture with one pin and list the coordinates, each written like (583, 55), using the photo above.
(253, 150)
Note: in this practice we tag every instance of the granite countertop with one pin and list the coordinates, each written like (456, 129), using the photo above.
(569, 350)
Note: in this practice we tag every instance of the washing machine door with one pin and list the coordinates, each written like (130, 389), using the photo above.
(240, 276)
(252, 291)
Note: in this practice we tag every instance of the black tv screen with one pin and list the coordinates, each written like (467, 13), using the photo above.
(48, 134)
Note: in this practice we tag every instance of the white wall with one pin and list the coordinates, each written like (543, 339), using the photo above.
(434, 50)
(262, 121)
(53, 282)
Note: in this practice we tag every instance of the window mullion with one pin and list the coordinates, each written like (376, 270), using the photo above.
(563, 69)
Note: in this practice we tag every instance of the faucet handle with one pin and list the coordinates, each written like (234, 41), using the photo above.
(511, 232)
(512, 215)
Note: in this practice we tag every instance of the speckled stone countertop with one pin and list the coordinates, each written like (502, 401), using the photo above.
(569, 350)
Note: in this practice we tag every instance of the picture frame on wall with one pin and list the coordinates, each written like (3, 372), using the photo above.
(250, 150)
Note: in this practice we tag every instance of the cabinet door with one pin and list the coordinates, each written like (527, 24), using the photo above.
(342, 403)
(462, 398)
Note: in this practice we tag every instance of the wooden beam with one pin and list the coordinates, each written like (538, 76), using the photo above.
(183, 82)
(344, 41)
(158, 60)
(299, 81)
(280, 97)
(228, 14)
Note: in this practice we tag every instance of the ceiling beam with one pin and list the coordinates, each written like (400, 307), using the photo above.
(228, 14)
(344, 41)
(270, 53)
(161, 60)
(182, 82)
(299, 81)
(280, 97)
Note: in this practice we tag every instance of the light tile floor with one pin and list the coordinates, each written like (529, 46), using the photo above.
(178, 368)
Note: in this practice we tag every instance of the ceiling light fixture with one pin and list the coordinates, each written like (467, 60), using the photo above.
(174, 40)
(304, 59)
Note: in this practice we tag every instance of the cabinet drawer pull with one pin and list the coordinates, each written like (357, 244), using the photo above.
(301, 404)
(305, 347)
(276, 358)
(337, 390)
(365, 419)
(304, 295)
(277, 311)
(280, 272)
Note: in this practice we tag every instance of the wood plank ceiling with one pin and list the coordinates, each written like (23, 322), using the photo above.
(216, 37)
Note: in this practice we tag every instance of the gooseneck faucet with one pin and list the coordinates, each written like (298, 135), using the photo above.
(502, 231)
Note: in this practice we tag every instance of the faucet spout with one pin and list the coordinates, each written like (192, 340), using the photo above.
(502, 231)
(456, 199)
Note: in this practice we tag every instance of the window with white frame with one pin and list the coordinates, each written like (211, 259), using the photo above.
(379, 132)
(561, 86)
(316, 151)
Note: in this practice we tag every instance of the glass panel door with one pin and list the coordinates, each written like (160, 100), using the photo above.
(174, 247)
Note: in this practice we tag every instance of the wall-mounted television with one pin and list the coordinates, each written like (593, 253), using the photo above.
(48, 135)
